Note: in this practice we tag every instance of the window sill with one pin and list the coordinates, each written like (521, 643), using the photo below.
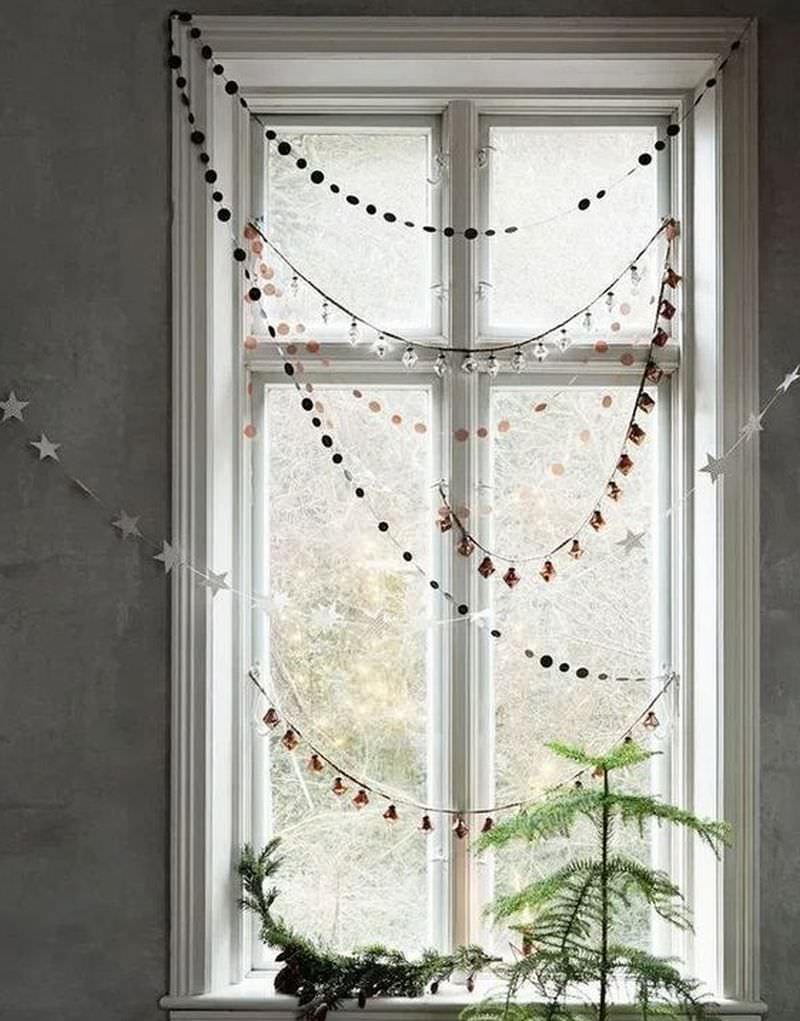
(254, 1000)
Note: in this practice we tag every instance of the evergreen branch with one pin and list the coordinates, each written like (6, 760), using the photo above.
(641, 808)
(622, 756)
(553, 816)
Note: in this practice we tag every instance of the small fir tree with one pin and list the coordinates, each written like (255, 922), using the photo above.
(569, 946)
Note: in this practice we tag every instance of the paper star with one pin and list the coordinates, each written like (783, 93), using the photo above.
(216, 582)
(714, 467)
(788, 379)
(12, 407)
(752, 426)
(169, 556)
(127, 525)
(46, 448)
(632, 540)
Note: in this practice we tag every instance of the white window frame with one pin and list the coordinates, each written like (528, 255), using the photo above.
(591, 63)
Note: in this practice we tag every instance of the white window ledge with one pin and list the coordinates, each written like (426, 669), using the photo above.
(254, 1000)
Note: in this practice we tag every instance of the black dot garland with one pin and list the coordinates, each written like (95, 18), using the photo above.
(239, 255)
(284, 147)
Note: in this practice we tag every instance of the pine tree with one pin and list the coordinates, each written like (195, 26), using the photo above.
(570, 944)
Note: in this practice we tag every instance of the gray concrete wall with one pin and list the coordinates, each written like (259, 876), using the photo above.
(84, 331)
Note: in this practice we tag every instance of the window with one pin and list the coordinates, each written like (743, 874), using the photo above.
(461, 104)
(383, 675)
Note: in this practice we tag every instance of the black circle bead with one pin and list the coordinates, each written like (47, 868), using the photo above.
(204, 157)
(448, 232)
(288, 368)
(434, 584)
(195, 33)
(217, 196)
(581, 672)
(389, 217)
(211, 176)
(353, 199)
(660, 145)
(584, 204)
(180, 81)
(645, 158)
(463, 608)
(470, 233)
(218, 69)
(197, 137)
(529, 653)
(735, 45)
(429, 229)
(383, 526)
(239, 254)
(359, 492)
(254, 294)
(316, 421)
(511, 230)
(231, 87)
(495, 633)
(563, 667)
(206, 52)
(490, 233)
(673, 129)
(174, 61)
(546, 661)
(327, 441)
(301, 164)
(601, 194)
(224, 215)
(284, 148)
(306, 404)
(602, 677)
(190, 118)
(409, 223)
(408, 557)
(372, 210)
(335, 189)
(270, 135)
(711, 83)
(317, 177)
(337, 459)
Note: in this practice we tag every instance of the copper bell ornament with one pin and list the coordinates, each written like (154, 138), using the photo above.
(598, 772)
(613, 491)
(576, 550)
(666, 309)
(271, 718)
(578, 785)
(466, 547)
(636, 434)
(460, 828)
(315, 764)
(548, 571)
(672, 278)
(290, 740)
(511, 578)
(624, 464)
(488, 824)
(660, 338)
(390, 815)
(486, 567)
(627, 739)
(645, 403)
(445, 521)
(338, 786)
(650, 721)
(597, 521)
(654, 373)
(426, 825)
(361, 800)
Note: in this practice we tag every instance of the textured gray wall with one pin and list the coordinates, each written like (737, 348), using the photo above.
(84, 332)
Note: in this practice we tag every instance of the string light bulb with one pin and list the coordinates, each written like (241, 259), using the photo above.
(326, 311)
(353, 333)
(518, 361)
(440, 366)
(380, 346)
(469, 365)
(636, 278)
(564, 340)
(390, 815)
(587, 320)
(294, 285)
(339, 787)
(540, 351)
(410, 358)
(610, 300)
(492, 366)
(271, 718)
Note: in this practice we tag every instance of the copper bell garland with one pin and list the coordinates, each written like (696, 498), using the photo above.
(338, 786)
(466, 546)
(391, 814)
(624, 464)
(445, 522)
(666, 310)
(645, 403)
(511, 578)
(315, 764)
(548, 571)
(576, 550)
(486, 567)
(636, 434)
(460, 828)
(290, 740)
(271, 718)
(672, 278)
(597, 521)
(654, 373)
(660, 338)
(650, 721)
(488, 825)
(361, 800)
(426, 825)
(613, 491)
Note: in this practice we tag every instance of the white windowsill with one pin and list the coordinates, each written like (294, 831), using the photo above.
(254, 1000)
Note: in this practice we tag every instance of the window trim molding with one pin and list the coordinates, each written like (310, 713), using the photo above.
(209, 798)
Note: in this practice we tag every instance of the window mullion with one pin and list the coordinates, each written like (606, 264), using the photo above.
(462, 120)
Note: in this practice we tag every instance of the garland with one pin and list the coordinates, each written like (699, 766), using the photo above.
(321, 978)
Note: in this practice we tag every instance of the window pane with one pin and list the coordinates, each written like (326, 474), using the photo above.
(549, 466)
(349, 633)
(339, 246)
(542, 274)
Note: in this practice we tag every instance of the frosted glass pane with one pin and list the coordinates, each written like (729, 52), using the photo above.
(596, 613)
(350, 629)
(382, 271)
(544, 273)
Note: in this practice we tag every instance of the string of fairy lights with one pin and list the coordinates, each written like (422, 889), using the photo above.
(318, 177)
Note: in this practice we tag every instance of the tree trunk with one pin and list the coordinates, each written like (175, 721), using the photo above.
(604, 841)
